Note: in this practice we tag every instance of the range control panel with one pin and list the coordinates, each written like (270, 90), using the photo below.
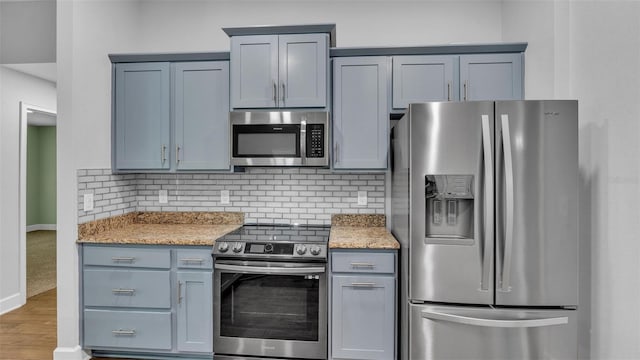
(260, 249)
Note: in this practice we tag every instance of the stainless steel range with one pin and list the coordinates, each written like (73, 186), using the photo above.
(270, 292)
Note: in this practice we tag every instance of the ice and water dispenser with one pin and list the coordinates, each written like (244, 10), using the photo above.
(449, 207)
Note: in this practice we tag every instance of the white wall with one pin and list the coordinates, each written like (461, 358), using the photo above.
(16, 87)
(605, 73)
(27, 31)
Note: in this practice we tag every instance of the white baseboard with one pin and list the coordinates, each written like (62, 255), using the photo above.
(70, 353)
(10, 303)
(36, 227)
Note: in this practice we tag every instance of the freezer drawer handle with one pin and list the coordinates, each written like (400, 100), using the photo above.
(519, 323)
(362, 265)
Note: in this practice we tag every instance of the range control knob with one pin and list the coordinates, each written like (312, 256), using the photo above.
(268, 248)
(237, 247)
(301, 249)
(315, 250)
(223, 247)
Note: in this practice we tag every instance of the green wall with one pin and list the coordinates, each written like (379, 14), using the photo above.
(41, 175)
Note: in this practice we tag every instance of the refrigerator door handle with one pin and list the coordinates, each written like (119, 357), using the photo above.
(501, 323)
(508, 236)
(487, 256)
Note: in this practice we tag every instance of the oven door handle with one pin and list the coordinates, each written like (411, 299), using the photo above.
(272, 270)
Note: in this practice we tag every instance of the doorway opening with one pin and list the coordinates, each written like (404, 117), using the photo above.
(37, 200)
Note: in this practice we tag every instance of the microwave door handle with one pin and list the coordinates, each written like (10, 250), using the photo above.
(271, 270)
(303, 141)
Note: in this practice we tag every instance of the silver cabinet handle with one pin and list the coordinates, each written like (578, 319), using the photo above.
(179, 292)
(516, 323)
(362, 264)
(465, 91)
(363, 284)
(164, 153)
(123, 259)
(119, 291)
(283, 93)
(487, 240)
(336, 153)
(177, 154)
(121, 332)
(508, 235)
(188, 260)
(275, 93)
(449, 91)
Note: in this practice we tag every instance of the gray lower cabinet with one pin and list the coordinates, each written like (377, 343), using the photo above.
(147, 301)
(141, 116)
(361, 112)
(491, 77)
(171, 116)
(363, 305)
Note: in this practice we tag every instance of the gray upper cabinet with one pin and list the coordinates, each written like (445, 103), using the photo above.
(142, 118)
(420, 78)
(201, 115)
(491, 77)
(361, 112)
(279, 71)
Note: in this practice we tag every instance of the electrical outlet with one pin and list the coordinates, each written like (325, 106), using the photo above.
(224, 197)
(162, 197)
(88, 202)
(362, 198)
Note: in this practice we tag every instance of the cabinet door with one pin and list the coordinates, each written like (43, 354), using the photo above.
(142, 127)
(254, 71)
(194, 311)
(361, 112)
(303, 70)
(201, 115)
(423, 78)
(363, 317)
(491, 77)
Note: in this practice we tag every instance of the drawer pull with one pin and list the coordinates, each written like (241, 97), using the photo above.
(123, 259)
(190, 260)
(362, 265)
(363, 284)
(121, 332)
(123, 291)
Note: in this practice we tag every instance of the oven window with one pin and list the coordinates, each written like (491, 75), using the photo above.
(284, 307)
(266, 140)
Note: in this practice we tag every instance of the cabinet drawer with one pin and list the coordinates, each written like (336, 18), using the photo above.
(127, 329)
(368, 262)
(194, 259)
(127, 257)
(127, 288)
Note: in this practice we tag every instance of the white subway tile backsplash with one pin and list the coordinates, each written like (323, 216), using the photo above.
(265, 195)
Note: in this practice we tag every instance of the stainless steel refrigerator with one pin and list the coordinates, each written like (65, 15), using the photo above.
(484, 203)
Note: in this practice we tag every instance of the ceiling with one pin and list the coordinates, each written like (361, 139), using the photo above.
(46, 71)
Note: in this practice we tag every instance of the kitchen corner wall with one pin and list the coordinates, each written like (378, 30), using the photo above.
(265, 195)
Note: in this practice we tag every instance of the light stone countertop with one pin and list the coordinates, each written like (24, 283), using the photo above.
(161, 228)
(352, 231)
(162, 234)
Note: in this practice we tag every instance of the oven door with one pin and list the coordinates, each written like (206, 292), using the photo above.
(273, 309)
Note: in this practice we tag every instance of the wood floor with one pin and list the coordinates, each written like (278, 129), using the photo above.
(29, 333)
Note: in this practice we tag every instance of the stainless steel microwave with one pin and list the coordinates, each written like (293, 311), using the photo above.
(279, 138)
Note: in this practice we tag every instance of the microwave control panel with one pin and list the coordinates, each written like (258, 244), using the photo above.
(315, 140)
